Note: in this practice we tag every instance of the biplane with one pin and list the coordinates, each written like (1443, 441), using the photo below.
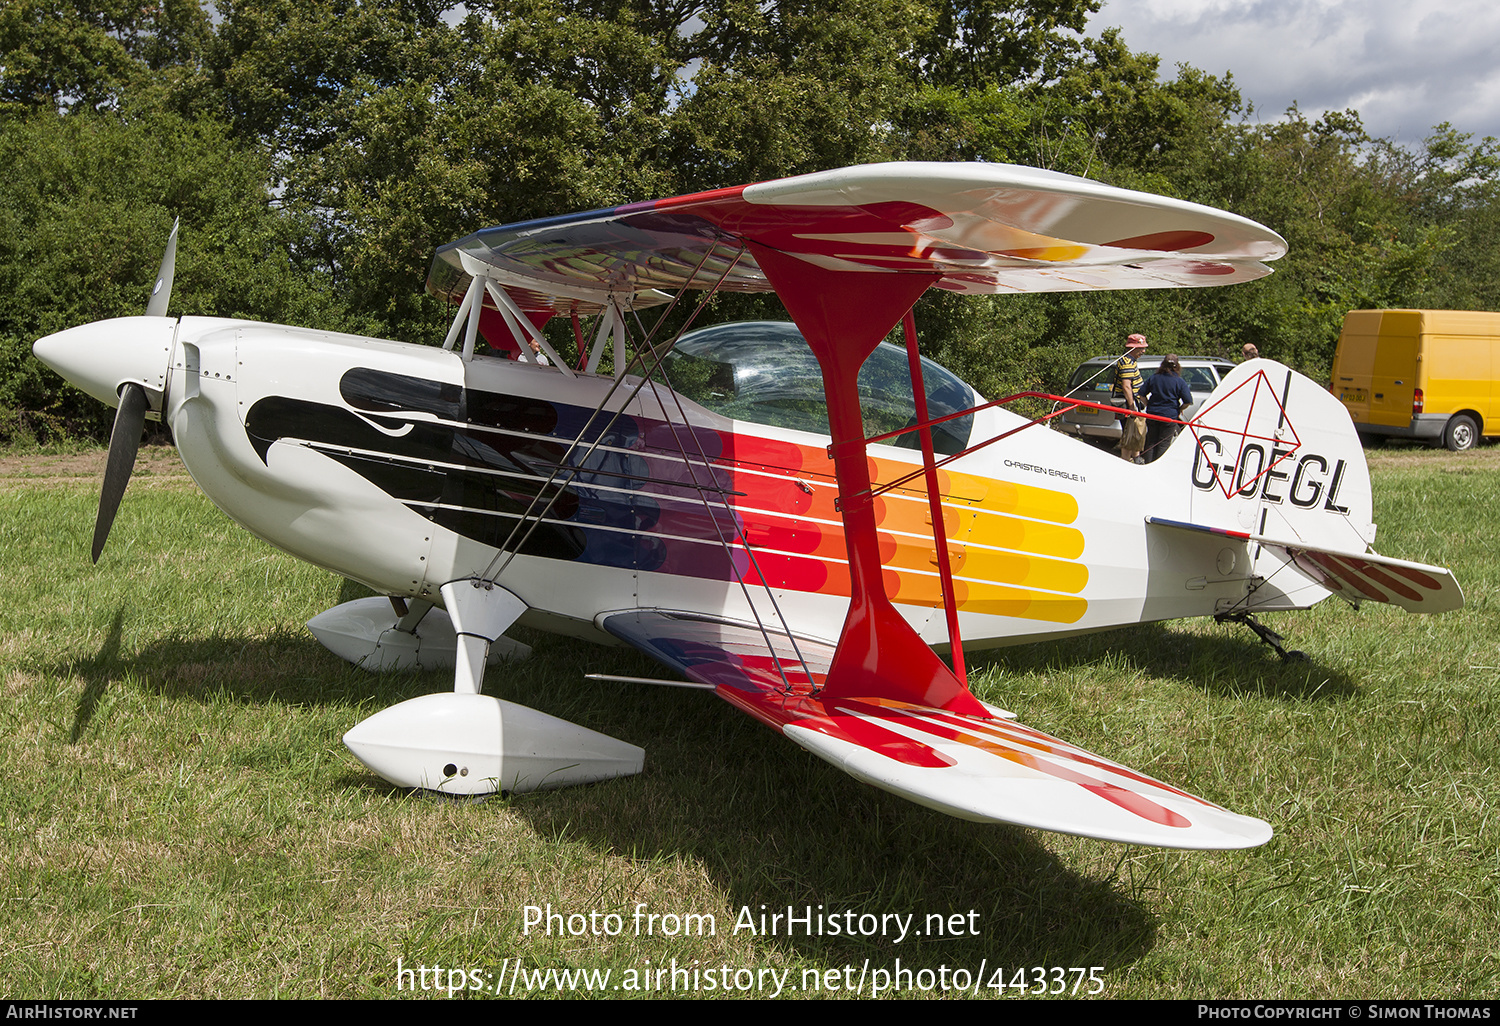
(796, 515)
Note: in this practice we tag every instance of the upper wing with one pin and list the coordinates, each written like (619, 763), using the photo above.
(988, 770)
(985, 228)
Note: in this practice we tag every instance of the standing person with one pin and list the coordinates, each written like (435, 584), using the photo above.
(1128, 388)
(1167, 395)
(1249, 352)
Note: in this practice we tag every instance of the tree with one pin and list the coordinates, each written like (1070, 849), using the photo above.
(61, 55)
(88, 203)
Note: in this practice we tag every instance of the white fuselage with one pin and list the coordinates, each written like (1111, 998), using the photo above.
(367, 457)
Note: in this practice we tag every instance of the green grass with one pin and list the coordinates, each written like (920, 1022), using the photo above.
(181, 819)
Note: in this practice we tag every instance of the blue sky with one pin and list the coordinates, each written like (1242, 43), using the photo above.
(1405, 65)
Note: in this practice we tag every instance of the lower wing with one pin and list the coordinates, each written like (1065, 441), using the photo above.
(987, 770)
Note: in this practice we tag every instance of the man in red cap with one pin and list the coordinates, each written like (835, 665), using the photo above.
(1128, 388)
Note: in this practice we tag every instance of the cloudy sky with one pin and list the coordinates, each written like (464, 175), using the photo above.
(1405, 65)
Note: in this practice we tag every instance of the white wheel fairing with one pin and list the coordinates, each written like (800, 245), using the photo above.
(475, 744)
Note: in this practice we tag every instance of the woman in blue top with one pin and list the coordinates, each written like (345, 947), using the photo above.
(1167, 395)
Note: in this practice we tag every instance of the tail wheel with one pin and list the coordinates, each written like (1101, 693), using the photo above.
(1462, 433)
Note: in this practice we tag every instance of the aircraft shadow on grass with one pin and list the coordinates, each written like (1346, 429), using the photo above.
(1224, 664)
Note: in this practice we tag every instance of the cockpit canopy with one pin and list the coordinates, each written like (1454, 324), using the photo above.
(765, 373)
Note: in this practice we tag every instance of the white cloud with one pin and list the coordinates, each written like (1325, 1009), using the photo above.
(1405, 66)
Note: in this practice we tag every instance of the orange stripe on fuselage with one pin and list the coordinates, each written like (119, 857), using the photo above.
(1011, 547)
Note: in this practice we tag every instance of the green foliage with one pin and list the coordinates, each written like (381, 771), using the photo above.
(973, 44)
(87, 205)
(60, 55)
(1368, 225)
(320, 150)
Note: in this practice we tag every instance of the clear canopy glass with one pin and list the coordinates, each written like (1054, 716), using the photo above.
(764, 372)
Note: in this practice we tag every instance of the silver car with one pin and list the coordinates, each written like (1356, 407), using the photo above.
(1095, 380)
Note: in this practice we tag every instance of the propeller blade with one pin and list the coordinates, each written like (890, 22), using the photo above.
(124, 443)
(161, 292)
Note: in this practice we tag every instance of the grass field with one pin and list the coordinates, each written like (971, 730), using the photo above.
(182, 820)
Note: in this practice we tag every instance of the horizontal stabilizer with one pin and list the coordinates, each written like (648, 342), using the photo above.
(986, 770)
(1356, 576)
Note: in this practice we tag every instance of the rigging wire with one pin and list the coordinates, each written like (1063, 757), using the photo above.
(491, 573)
(724, 543)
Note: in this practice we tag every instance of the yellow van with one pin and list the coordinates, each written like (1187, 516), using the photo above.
(1422, 374)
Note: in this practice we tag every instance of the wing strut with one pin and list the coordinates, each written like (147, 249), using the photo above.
(611, 326)
(844, 315)
(934, 499)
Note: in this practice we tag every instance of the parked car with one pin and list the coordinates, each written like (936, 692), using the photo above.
(1095, 380)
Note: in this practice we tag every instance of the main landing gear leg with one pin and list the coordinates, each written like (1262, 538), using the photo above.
(410, 615)
(480, 611)
(1265, 634)
(465, 742)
